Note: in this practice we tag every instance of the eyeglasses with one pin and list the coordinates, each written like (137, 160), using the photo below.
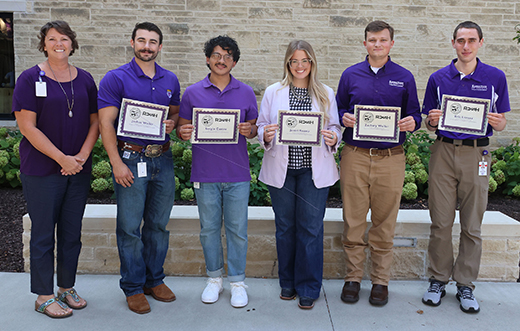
(303, 63)
(218, 56)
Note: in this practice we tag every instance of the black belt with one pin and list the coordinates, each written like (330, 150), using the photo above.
(466, 142)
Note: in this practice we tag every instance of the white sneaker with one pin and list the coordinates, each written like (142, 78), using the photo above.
(239, 295)
(212, 290)
(435, 292)
(468, 302)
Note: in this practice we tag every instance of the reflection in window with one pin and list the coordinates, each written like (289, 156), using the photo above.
(7, 74)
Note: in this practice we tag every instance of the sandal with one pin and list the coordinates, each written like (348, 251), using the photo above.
(74, 295)
(43, 308)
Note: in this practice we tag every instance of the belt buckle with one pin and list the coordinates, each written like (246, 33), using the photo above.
(153, 151)
(457, 142)
(127, 146)
(370, 152)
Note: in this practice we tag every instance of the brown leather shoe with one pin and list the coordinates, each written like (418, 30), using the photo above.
(350, 292)
(160, 292)
(138, 303)
(379, 295)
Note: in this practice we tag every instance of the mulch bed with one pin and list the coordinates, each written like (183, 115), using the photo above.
(12, 208)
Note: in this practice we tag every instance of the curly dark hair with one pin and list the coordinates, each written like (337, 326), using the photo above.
(63, 28)
(226, 43)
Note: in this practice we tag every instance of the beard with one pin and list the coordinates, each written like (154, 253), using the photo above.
(145, 57)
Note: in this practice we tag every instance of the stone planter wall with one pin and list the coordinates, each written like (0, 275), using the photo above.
(500, 258)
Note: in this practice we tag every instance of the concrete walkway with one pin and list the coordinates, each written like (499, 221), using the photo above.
(107, 308)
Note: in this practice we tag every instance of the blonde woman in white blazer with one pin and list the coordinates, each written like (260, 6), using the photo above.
(299, 177)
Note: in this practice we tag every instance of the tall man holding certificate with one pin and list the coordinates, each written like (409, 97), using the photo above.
(218, 114)
(377, 103)
(460, 160)
(142, 163)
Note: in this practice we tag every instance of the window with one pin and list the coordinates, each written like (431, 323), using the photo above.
(7, 74)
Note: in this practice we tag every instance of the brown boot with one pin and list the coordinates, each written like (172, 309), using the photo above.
(138, 303)
(379, 295)
(160, 292)
(350, 292)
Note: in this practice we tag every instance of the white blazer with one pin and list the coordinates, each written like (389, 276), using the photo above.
(276, 157)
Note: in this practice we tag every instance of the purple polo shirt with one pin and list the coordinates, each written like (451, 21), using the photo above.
(392, 86)
(486, 82)
(129, 81)
(220, 163)
(52, 118)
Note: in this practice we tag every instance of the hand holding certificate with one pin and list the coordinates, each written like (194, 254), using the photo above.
(299, 128)
(464, 115)
(375, 123)
(142, 120)
(215, 126)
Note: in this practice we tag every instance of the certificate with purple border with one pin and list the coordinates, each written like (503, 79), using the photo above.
(302, 128)
(464, 115)
(142, 120)
(215, 126)
(376, 123)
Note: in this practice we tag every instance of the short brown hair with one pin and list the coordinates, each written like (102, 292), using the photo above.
(468, 25)
(377, 26)
(63, 28)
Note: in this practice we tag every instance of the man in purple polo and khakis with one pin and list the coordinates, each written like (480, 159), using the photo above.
(459, 166)
(372, 172)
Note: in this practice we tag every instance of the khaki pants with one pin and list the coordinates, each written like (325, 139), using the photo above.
(373, 182)
(454, 177)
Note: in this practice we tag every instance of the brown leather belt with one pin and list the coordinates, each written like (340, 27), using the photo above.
(148, 150)
(379, 152)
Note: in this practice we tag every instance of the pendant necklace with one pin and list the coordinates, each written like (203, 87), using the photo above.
(301, 97)
(70, 105)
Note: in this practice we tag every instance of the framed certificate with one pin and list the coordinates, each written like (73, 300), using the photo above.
(215, 126)
(464, 115)
(301, 128)
(376, 123)
(142, 120)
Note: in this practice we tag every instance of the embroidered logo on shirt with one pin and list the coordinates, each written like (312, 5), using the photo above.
(481, 88)
(395, 83)
(169, 93)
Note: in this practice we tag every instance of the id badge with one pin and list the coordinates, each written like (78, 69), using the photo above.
(141, 169)
(482, 168)
(41, 89)
(196, 184)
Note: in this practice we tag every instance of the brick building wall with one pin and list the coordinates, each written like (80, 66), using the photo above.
(264, 28)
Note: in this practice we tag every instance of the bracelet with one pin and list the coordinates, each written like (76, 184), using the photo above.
(433, 126)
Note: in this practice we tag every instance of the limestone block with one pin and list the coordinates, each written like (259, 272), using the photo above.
(494, 245)
(184, 269)
(94, 239)
(178, 29)
(270, 13)
(259, 269)
(316, 4)
(492, 273)
(337, 244)
(499, 258)
(75, 16)
(334, 270)
(97, 267)
(330, 256)
(112, 240)
(257, 85)
(408, 264)
(184, 240)
(261, 248)
(187, 255)
(513, 244)
(107, 256)
(342, 21)
(87, 253)
(512, 274)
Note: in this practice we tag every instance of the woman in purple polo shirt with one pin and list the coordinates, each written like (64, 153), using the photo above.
(299, 177)
(55, 105)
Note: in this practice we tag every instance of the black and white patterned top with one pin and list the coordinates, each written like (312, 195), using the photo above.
(300, 156)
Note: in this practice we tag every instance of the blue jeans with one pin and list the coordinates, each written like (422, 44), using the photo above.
(226, 202)
(299, 208)
(55, 202)
(150, 199)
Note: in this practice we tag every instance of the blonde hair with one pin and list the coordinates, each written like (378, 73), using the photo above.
(315, 87)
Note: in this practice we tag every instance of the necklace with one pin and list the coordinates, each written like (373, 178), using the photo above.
(70, 105)
(301, 97)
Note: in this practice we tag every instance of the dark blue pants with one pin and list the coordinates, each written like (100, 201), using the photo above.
(299, 208)
(56, 204)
